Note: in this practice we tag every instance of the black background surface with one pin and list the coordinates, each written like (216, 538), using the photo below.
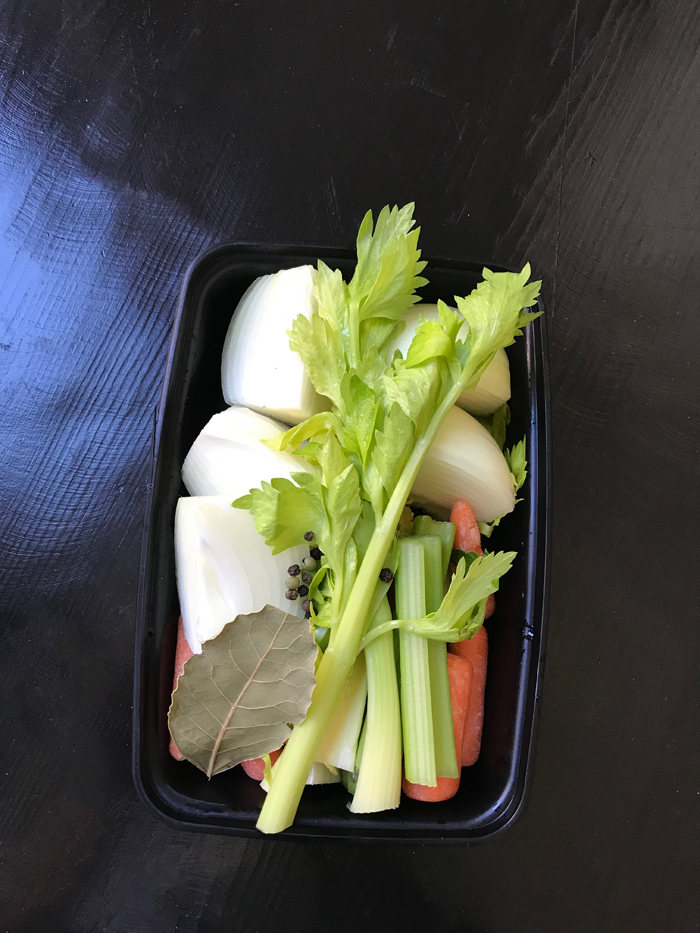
(132, 136)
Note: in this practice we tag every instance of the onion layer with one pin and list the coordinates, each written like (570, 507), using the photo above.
(224, 567)
(227, 458)
(258, 369)
(464, 462)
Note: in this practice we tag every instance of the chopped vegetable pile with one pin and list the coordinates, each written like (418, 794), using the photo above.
(317, 608)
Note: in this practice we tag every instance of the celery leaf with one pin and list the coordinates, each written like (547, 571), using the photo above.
(344, 507)
(284, 510)
(414, 389)
(362, 409)
(316, 342)
(431, 340)
(393, 446)
(315, 427)
(388, 267)
(494, 312)
(331, 458)
(517, 463)
(496, 423)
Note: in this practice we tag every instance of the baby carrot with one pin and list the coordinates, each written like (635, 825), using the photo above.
(475, 650)
(183, 653)
(467, 534)
(468, 538)
(255, 767)
(460, 674)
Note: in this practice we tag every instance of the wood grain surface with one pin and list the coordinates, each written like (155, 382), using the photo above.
(134, 135)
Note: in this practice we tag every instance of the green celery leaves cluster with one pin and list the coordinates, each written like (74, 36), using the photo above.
(380, 407)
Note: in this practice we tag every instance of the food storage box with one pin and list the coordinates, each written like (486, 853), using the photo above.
(492, 791)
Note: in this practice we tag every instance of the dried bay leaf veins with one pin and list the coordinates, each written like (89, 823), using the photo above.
(237, 699)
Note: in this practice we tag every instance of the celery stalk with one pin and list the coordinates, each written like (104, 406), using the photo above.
(445, 531)
(435, 572)
(443, 729)
(416, 708)
(339, 743)
(379, 780)
(432, 550)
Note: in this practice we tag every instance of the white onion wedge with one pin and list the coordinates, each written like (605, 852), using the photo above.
(227, 458)
(464, 462)
(492, 390)
(224, 567)
(258, 369)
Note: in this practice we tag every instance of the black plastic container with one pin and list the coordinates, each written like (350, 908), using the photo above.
(492, 791)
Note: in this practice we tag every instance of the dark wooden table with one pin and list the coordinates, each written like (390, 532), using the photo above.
(133, 135)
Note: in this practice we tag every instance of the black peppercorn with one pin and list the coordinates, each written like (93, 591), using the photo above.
(307, 615)
(385, 575)
(316, 553)
(294, 570)
(306, 578)
(306, 605)
(291, 594)
(303, 590)
(309, 536)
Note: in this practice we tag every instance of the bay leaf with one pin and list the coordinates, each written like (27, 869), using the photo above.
(237, 699)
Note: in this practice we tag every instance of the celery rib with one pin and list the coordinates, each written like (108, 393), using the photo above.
(441, 704)
(379, 780)
(339, 743)
(416, 705)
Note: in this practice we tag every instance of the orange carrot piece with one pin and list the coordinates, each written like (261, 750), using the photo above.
(183, 653)
(255, 767)
(468, 538)
(467, 534)
(460, 674)
(475, 650)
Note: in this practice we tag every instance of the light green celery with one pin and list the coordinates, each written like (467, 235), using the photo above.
(294, 763)
(344, 582)
(339, 743)
(379, 781)
(441, 705)
(425, 525)
(416, 707)
(349, 778)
